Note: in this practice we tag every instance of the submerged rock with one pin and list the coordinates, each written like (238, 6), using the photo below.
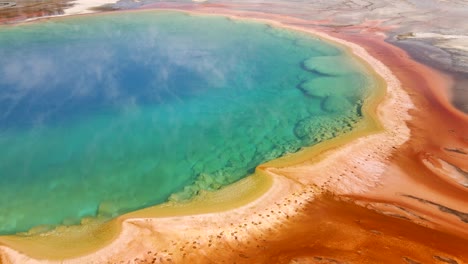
(351, 85)
(336, 103)
(316, 129)
(329, 65)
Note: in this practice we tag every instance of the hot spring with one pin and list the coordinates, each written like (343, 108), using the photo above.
(105, 114)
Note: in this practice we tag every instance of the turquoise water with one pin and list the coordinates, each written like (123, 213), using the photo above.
(101, 115)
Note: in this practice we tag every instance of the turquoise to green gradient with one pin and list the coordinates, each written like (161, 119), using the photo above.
(102, 115)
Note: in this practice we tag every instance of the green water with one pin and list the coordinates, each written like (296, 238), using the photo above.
(102, 115)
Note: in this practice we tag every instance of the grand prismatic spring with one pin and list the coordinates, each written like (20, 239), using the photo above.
(153, 105)
(224, 133)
